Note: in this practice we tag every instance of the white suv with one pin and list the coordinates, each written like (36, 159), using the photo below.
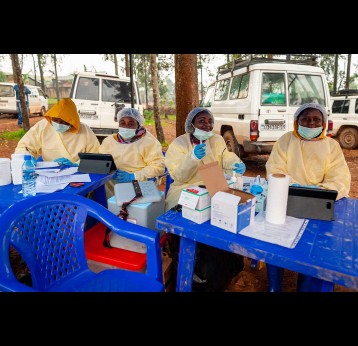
(345, 118)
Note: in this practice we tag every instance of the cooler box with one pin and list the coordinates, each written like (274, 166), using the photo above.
(143, 214)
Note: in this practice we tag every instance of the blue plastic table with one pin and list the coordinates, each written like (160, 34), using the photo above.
(326, 254)
(9, 194)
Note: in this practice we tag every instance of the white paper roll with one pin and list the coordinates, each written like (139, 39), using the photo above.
(277, 196)
(16, 168)
(5, 171)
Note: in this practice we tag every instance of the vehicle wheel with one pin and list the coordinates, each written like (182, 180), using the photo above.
(348, 138)
(231, 142)
(43, 111)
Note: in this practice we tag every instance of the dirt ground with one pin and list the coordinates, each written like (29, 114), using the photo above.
(250, 279)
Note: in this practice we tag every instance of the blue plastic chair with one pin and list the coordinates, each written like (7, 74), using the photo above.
(48, 233)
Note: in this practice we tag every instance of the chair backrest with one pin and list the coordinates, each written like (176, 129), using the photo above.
(48, 232)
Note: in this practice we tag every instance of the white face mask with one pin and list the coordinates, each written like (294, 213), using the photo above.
(309, 132)
(60, 127)
(202, 135)
(126, 133)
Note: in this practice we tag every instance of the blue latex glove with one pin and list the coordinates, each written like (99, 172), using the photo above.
(123, 177)
(65, 162)
(200, 151)
(256, 189)
(239, 168)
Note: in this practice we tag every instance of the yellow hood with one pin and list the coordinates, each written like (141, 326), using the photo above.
(67, 111)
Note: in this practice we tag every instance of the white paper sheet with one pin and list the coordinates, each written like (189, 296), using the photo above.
(287, 234)
(42, 188)
(58, 179)
(46, 164)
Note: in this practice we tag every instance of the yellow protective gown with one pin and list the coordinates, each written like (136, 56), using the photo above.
(184, 169)
(144, 157)
(42, 139)
(319, 162)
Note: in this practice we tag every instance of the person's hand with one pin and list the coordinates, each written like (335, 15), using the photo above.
(122, 176)
(239, 168)
(65, 162)
(200, 151)
(256, 189)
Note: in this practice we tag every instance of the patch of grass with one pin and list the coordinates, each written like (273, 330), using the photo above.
(149, 119)
(52, 101)
(12, 135)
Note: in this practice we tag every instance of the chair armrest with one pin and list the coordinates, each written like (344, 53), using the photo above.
(15, 286)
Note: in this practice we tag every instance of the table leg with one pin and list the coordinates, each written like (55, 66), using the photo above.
(307, 283)
(186, 264)
(275, 277)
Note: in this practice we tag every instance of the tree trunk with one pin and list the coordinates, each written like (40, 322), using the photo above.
(19, 81)
(145, 79)
(348, 76)
(56, 77)
(186, 88)
(335, 74)
(156, 100)
(115, 64)
(39, 62)
(126, 64)
(33, 58)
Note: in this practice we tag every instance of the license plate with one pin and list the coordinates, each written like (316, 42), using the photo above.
(273, 127)
(89, 116)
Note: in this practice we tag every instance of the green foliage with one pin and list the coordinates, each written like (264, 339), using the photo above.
(2, 77)
(12, 135)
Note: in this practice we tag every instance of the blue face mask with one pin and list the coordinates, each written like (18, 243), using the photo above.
(60, 127)
(202, 135)
(126, 133)
(308, 132)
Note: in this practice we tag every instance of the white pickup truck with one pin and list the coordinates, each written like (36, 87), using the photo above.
(345, 118)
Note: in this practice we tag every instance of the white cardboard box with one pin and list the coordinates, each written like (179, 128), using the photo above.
(195, 197)
(198, 216)
(228, 213)
(231, 209)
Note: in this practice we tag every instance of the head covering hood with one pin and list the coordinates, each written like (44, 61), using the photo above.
(191, 116)
(301, 109)
(131, 113)
(66, 110)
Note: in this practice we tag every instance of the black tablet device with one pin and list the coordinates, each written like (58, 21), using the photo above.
(96, 163)
(310, 203)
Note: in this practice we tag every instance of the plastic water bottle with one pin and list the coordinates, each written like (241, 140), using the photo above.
(28, 177)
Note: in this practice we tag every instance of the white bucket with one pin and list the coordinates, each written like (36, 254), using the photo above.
(5, 171)
(16, 168)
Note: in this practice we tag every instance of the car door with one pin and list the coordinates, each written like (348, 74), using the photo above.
(34, 100)
(86, 98)
(115, 94)
(273, 109)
